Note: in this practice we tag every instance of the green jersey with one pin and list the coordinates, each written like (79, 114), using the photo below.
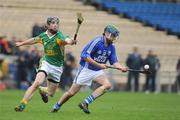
(53, 47)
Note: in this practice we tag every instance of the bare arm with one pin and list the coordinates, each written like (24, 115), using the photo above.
(26, 42)
(91, 61)
(120, 67)
(69, 41)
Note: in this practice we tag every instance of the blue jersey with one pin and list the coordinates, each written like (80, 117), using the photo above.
(100, 53)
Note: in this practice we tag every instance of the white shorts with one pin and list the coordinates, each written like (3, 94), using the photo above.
(53, 72)
(85, 76)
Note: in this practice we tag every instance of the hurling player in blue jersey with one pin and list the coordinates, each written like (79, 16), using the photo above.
(93, 60)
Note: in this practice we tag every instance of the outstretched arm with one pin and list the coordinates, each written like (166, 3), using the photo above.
(69, 41)
(91, 61)
(26, 42)
(120, 67)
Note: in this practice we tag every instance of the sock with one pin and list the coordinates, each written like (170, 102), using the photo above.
(59, 104)
(89, 99)
(24, 102)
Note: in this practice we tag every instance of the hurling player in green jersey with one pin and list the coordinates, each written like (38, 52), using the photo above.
(51, 63)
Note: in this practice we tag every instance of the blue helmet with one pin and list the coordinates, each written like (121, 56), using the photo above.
(112, 29)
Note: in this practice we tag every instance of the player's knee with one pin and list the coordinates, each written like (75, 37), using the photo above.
(108, 86)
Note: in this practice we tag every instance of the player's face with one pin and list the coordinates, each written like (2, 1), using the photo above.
(53, 27)
(110, 38)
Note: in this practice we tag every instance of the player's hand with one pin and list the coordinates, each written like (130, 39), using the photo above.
(70, 41)
(74, 42)
(103, 66)
(18, 44)
(123, 68)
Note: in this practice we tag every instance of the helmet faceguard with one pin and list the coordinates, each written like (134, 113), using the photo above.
(52, 19)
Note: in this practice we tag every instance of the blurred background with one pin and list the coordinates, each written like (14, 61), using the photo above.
(149, 34)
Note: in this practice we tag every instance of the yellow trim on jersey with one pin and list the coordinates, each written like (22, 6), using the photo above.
(60, 42)
(38, 40)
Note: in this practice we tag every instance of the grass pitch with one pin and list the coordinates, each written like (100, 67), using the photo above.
(111, 106)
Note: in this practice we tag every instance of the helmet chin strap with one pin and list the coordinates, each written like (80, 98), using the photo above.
(109, 42)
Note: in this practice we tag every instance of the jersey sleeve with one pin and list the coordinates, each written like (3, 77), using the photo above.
(89, 49)
(113, 56)
(61, 39)
(38, 39)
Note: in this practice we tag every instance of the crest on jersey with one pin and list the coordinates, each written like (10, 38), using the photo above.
(104, 53)
(45, 42)
(99, 52)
